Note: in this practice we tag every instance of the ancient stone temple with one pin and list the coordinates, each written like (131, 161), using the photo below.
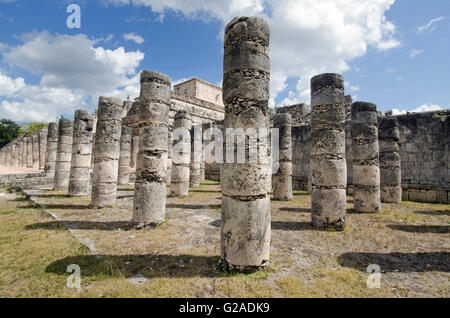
(51, 150)
(125, 156)
(390, 163)
(63, 154)
(181, 154)
(106, 152)
(245, 222)
(282, 180)
(327, 161)
(80, 176)
(149, 206)
(365, 156)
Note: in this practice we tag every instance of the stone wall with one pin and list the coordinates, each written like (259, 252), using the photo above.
(201, 90)
(25, 179)
(299, 112)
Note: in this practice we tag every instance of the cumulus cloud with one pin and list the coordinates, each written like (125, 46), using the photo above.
(423, 108)
(73, 72)
(133, 37)
(429, 26)
(307, 36)
(9, 86)
(415, 53)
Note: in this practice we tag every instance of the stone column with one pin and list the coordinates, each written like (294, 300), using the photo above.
(125, 153)
(348, 143)
(202, 169)
(80, 170)
(196, 156)
(181, 154)
(42, 147)
(35, 141)
(24, 152)
(63, 154)
(51, 150)
(282, 188)
(134, 147)
(327, 157)
(365, 155)
(150, 188)
(169, 157)
(29, 152)
(106, 152)
(390, 163)
(245, 221)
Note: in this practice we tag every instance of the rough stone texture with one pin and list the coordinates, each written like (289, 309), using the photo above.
(365, 156)
(134, 148)
(29, 152)
(35, 149)
(245, 222)
(24, 152)
(106, 152)
(63, 154)
(179, 186)
(348, 144)
(51, 150)
(149, 207)
(282, 187)
(80, 176)
(42, 147)
(169, 157)
(196, 156)
(299, 113)
(125, 156)
(327, 158)
(390, 163)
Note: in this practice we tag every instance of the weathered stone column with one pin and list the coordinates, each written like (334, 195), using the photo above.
(125, 153)
(327, 161)
(150, 188)
(282, 188)
(181, 154)
(106, 152)
(134, 147)
(80, 170)
(51, 150)
(390, 163)
(202, 169)
(245, 221)
(365, 155)
(24, 152)
(35, 142)
(169, 157)
(196, 156)
(29, 152)
(348, 143)
(63, 154)
(42, 147)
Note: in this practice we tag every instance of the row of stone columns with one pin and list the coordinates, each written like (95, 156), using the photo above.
(28, 152)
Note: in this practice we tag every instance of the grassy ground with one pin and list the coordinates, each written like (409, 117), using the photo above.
(410, 243)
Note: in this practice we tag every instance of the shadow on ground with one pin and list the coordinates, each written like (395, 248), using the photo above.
(59, 207)
(298, 210)
(150, 266)
(435, 212)
(398, 262)
(194, 206)
(440, 229)
(82, 225)
(280, 225)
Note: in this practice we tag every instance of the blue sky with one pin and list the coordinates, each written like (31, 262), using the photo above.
(392, 53)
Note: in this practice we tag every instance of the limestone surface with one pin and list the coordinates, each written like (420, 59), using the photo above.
(125, 156)
(51, 150)
(282, 187)
(63, 154)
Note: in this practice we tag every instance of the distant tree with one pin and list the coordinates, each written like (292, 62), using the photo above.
(9, 130)
(32, 129)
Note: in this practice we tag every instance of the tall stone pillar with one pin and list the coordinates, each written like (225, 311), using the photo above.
(13, 154)
(51, 150)
(282, 188)
(42, 147)
(196, 156)
(365, 155)
(390, 163)
(245, 221)
(29, 152)
(202, 169)
(24, 152)
(106, 152)
(63, 154)
(35, 149)
(134, 147)
(169, 157)
(348, 143)
(327, 157)
(125, 153)
(181, 154)
(150, 188)
(80, 170)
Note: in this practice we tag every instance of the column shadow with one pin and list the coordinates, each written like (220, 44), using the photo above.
(438, 229)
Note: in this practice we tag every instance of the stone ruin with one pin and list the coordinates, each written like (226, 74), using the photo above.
(338, 148)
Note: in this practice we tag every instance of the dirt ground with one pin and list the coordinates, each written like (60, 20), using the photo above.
(410, 243)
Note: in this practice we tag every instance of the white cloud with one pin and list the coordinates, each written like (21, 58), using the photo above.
(307, 36)
(389, 70)
(133, 37)
(429, 26)
(415, 53)
(9, 86)
(423, 108)
(74, 72)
